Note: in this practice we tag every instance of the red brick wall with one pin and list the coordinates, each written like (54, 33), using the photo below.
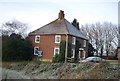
(47, 45)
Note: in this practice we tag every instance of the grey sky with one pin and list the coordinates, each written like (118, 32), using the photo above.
(40, 12)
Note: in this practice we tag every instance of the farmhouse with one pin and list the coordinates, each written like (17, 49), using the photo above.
(47, 39)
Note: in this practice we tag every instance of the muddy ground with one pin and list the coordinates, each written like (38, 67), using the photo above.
(60, 71)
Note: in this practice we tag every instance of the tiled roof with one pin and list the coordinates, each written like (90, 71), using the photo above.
(59, 26)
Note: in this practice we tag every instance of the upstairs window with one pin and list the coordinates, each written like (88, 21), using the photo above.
(36, 49)
(84, 43)
(73, 40)
(57, 39)
(56, 51)
(37, 39)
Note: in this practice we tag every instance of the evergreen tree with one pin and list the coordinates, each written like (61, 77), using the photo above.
(61, 57)
(16, 49)
(91, 50)
(76, 24)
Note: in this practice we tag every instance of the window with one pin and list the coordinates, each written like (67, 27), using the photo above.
(57, 39)
(84, 54)
(79, 54)
(56, 51)
(36, 49)
(37, 39)
(73, 40)
(84, 43)
(73, 53)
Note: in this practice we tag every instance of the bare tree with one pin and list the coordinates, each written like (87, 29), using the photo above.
(102, 36)
(14, 26)
(110, 37)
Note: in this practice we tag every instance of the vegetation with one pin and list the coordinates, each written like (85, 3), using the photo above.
(76, 24)
(91, 50)
(62, 47)
(58, 58)
(61, 57)
(14, 26)
(88, 70)
(15, 48)
(15, 43)
(103, 36)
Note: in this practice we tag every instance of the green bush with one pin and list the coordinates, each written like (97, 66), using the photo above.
(58, 58)
(16, 49)
(61, 57)
(91, 50)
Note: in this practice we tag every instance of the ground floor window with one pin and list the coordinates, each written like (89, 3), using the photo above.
(79, 54)
(73, 53)
(56, 51)
(84, 53)
(36, 49)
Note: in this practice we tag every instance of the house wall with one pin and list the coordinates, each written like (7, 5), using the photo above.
(47, 45)
(81, 42)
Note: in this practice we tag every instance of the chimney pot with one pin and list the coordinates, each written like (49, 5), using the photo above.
(61, 14)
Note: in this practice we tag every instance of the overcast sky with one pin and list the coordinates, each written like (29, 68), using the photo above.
(40, 12)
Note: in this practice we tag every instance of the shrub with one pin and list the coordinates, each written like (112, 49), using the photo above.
(91, 50)
(58, 58)
(16, 49)
(61, 57)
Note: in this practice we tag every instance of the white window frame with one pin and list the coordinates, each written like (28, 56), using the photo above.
(73, 53)
(58, 51)
(79, 54)
(36, 38)
(56, 38)
(84, 54)
(84, 43)
(73, 40)
(34, 50)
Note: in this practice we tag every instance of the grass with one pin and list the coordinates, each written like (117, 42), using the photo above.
(113, 62)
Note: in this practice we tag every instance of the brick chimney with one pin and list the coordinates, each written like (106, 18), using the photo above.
(61, 15)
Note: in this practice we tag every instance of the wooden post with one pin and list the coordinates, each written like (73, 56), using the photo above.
(66, 52)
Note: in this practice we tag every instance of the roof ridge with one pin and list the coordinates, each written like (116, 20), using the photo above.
(72, 25)
(83, 36)
(66, 26)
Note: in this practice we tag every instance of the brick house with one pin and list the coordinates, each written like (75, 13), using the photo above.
(47, 39)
